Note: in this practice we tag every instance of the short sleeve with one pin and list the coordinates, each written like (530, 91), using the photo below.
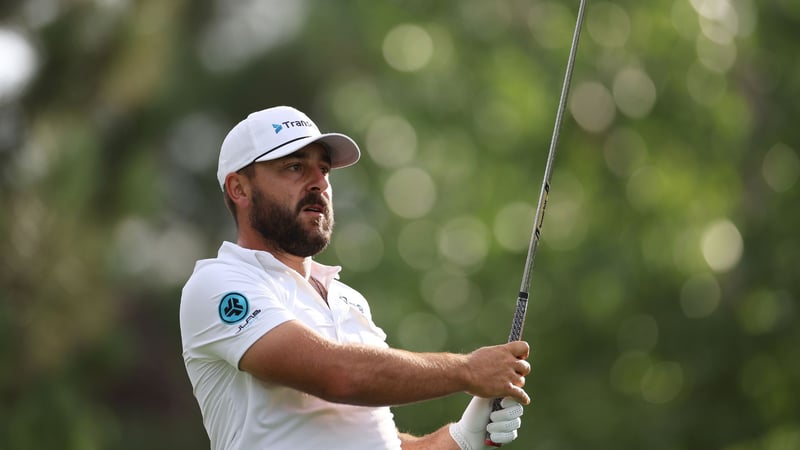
(224, 312)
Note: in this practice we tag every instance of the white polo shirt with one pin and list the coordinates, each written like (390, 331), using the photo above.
(227, 304)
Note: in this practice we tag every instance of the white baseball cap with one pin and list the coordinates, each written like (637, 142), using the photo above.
(274, 133)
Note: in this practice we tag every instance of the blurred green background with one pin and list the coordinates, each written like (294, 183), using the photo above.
(664, 300)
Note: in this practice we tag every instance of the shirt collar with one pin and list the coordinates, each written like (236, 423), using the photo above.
(266, 260)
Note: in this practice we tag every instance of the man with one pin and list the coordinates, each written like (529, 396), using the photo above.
(282, 355)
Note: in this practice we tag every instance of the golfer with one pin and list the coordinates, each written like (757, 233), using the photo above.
(283, 355)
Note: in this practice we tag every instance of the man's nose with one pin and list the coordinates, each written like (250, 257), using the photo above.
(319, 181)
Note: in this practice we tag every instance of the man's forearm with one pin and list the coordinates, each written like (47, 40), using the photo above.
(377, 376)
(292, 355)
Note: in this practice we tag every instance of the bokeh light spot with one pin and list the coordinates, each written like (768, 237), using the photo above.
(408, 47)
(781, 168)
(551, 24)
(243, 30)
(608, 24)
(512, 226)
(18, 65)
(715, 56)
(422, 331)
(464, 241)
(358, 246)
(452, 294)
(410, 193)
(662, 382)
(356, 102)
(719, 21)
(391, 141)
(39, 13)
(634, 92)
(722, 245)
(592, 106)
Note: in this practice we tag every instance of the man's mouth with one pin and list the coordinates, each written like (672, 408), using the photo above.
(314, 208)
(315, 204)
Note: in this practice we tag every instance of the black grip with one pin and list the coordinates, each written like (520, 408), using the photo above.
(519, 317)
(516, 334)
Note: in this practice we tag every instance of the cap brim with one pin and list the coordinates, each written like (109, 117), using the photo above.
(343, 150)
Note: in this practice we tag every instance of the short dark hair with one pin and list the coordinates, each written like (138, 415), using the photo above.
(249, 171)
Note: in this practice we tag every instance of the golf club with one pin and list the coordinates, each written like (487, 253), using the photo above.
(522, 300)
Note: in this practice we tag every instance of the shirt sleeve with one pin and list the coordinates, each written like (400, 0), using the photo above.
(224, 312)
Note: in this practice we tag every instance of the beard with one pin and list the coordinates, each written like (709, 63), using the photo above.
(281, 226)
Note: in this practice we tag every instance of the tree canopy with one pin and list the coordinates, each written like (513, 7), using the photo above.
(664, 301)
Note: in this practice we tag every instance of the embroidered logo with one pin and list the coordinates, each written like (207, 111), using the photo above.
(353, 304)
(233, 308)
(247, 322)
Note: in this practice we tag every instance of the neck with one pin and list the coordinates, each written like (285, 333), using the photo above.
(299, 264)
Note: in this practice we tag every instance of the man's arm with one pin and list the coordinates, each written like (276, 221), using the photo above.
(294, 355)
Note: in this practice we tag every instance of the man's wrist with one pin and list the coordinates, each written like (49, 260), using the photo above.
(458, 436)
(440, 439)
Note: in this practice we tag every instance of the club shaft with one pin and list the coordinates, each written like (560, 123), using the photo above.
(551, 156)
(522, 299)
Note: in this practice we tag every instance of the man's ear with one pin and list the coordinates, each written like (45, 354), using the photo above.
(237, 186)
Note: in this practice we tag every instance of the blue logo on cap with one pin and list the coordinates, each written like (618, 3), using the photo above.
(233, 308)
(277, 127)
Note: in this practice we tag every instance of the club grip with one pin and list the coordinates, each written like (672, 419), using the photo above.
(495, 407)
(519, 317)
(516, 334)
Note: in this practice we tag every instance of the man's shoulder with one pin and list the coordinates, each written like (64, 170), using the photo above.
(230, 260)
(239, 268)
(216, 271)
(217, 267)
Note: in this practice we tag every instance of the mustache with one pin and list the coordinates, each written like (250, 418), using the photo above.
(314, 198)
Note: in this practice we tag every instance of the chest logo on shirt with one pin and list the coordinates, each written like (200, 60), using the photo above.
(233, 308)
(353, 304)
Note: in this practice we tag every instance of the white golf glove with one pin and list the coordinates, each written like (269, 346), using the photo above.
(478, 419)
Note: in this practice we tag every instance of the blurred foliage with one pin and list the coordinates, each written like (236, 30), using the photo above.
(664, 301)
